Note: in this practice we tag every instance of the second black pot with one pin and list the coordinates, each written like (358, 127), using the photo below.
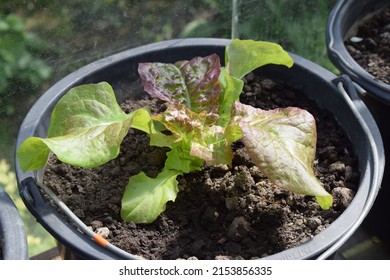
(12, 233)
(342, 24)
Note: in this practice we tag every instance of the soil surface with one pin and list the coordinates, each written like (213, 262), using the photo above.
(370, 47)
(220, 212)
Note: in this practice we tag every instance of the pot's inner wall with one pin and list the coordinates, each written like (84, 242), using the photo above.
(362, 10)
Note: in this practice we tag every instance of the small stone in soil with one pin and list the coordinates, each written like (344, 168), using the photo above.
(103, 232)
(337, 167)
(342, 196)
(313, 223)
(96, 224)
(232, 203)
(238, 229)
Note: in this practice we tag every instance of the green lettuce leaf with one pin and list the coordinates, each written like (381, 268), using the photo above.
(282, 143)
(145, 198)
(86, 130)
(32, 154)
(143, 120)
(244, 56)
(180, 158)
(84, 107)
(231, 91)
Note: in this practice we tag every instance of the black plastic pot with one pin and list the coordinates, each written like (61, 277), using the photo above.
(319, 84)
(12, 234)
(342, 24)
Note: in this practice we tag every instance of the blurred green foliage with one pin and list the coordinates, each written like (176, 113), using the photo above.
(299, 26)
(19, 63)
(23, 70)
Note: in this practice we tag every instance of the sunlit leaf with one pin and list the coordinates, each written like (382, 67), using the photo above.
(282, 143)
(244, 56)
(231, 91)
(86, 130)
(145, 198)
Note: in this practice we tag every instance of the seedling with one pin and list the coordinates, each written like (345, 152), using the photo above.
(203, 117)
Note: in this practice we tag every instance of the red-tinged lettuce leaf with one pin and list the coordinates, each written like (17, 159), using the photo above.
(244, 56)
(179, 158)
(86, 130)
(282, 143)
(193, 83)
(213, 146)
(180, 120)
(210, 143)
(145, 198)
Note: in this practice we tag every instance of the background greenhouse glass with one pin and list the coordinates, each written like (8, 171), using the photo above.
(41, 41)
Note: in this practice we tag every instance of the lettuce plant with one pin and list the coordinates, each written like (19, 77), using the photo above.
(202, 120)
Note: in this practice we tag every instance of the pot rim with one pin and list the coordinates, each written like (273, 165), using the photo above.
(369, 185)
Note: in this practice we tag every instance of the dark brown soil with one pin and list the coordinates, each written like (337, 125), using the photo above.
(373, 51)
(220, 212)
